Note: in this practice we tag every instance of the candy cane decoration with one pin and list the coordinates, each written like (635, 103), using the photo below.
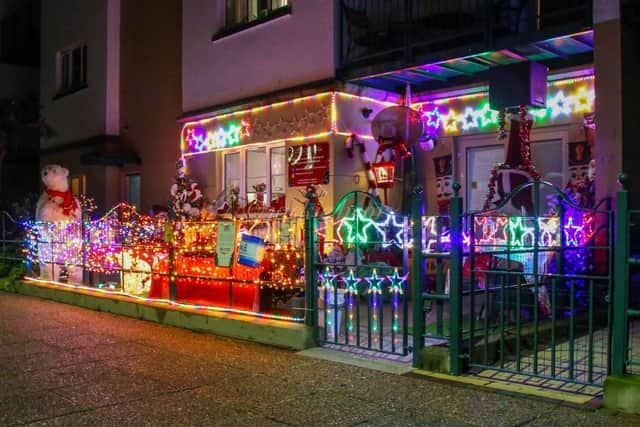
(371, 179)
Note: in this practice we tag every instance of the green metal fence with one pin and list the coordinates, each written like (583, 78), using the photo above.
(625, 351)
(538, 287)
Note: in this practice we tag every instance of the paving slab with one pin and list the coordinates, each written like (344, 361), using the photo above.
(93, 368)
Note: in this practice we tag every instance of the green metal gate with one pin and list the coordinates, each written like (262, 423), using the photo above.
(357, 263)
(535, 289)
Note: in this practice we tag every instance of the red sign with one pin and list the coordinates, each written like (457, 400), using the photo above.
(308, 164)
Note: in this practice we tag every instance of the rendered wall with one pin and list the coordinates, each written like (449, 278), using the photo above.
(291, 50)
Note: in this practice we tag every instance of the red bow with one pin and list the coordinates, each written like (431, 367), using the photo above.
(68, 204)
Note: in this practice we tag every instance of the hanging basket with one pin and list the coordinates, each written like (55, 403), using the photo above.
(384, 172)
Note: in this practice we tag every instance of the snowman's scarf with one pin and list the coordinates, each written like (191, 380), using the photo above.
(68, 205)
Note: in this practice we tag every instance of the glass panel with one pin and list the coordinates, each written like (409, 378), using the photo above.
(547, 158)
(76, 67)
(276, 4)
(235, 11)
(256, 173)
(257, 9)
(480, 161)
(231, 172)
(84, 64)
(64, 71)
(278, 177)
(75, 186)
(133, 190)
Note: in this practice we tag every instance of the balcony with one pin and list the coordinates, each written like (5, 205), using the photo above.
(379, 36)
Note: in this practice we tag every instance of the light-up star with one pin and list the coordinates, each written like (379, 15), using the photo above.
(572, 232)
(375, 283)
(356, 226)
(560, 104)
(327, 280)
(518, 232)
(487, 116)
(396, 224)
(470, 119)
(396, 282)
(351, 283)
(434, 119)
(583, 100)
(451, 121)
(548, 231)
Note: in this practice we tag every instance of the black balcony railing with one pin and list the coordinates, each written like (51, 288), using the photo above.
(374, 31)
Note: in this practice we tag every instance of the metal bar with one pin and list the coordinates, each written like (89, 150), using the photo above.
(435, 297)
(310, 318)
(502, 328)
(336, 326)
(405, 288)
(439, 278)
(553, 327)
(472, 287)
(417, 275)
(590, 336)
(455, 287)
(536, 282)
(572, 329)
(619, 347)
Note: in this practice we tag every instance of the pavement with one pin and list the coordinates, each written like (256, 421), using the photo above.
(65, 365)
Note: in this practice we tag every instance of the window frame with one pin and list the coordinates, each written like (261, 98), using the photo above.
(65, 84)
(230, 28)
(243, 171)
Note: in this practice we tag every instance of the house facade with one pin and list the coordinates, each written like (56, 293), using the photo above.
(436, 59)
(109, 126)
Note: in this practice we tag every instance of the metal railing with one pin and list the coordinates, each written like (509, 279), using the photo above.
(375, 30)
(177, 262)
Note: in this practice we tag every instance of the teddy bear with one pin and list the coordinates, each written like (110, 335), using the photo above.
(58, 215)
(57, 202)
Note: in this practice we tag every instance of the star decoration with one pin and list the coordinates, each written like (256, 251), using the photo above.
(433, 118)
(351, 283)
(451, 121)
(327, 280)
(518, 231)
(396, 282)
(396, 224)
(548, 231)
(560, 104)
(375, 283)
(572, 232)
(487, 116)
(356, 226)
(583, 101)
(470, 119)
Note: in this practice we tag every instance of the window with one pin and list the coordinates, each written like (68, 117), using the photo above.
(242, 14)
(132, 184)
(258, 174)
(547, 158)
(72, 69)
(79, 185)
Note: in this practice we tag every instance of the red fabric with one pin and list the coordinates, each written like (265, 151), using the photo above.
(68, 204)
(480, 262)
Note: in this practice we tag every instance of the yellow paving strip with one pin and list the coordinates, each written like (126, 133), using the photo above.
(509, 387)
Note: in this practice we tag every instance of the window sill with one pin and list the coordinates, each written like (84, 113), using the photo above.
(236, 28)
(68, 92)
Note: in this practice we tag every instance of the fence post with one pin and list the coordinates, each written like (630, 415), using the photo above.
(168, 237)
(309, 261)
(417, 275)
(455, 283)
(621, 281)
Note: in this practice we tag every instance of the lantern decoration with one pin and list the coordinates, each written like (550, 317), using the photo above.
(384, 172)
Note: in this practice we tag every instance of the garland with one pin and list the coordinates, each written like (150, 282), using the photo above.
(526, 163)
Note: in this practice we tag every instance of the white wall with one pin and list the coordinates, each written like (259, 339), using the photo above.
(65, 23)
(288, 51)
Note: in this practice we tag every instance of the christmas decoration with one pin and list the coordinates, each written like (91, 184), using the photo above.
(186, 198)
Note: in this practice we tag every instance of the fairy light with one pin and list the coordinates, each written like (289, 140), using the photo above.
(158, 302)
(565, 98)
(396, 289)
(375, 289)
(351, 289)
